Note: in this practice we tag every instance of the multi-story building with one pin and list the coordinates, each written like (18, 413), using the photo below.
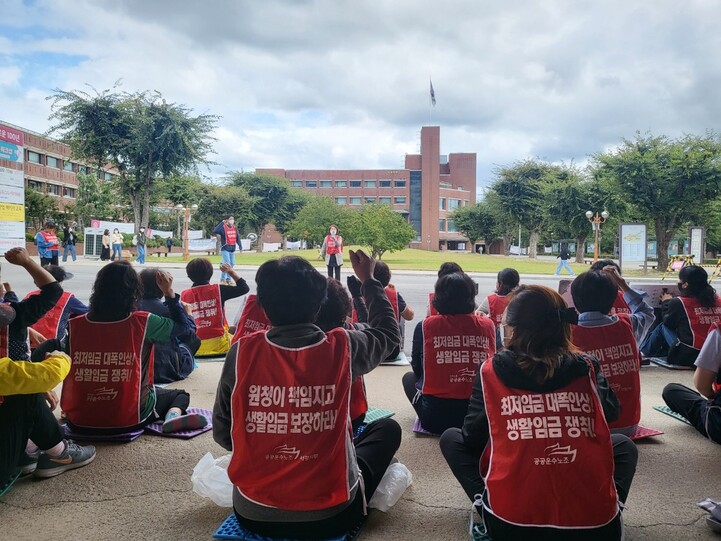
(426, 191)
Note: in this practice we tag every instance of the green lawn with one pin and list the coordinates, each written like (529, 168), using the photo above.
(417, 260)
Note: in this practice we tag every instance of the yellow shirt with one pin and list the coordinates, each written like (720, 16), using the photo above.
(22, 377)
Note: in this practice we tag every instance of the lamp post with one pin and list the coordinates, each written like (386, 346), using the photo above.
(596, 221)
(186, 222)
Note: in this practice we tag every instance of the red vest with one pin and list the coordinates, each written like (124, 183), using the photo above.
(393, 297)
(207, 309)
(432, 309)
(231, 235)
(620, 306)
(5, 341)
(496, 306)
(333, 245)
(453, 347)
(51, 239)
(614, 345)
(549, 458)
(358, 398)
(107, 376)
(49, 324)
(700, 318)
(252, 319)
(291, 427)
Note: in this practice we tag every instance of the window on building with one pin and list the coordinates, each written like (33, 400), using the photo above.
(400, 200)
(355, 200)
(68, 166)
(442, 203)
(69, 192)
(340, 183)
(340, 200)
(442, 225)
(326, 183)
(369, 199)
(33, 157)
(452, 227)
(355, 183)
(107, 176)
(384, 183)
(35, 185)
(53, 189)
(370, 183)
(53, 162)
(296, 183)
(82, 169)
(311, 184)
(384, 200)
(453, 204)
(400, 184)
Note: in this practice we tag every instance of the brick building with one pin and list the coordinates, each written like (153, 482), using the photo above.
(425, 192)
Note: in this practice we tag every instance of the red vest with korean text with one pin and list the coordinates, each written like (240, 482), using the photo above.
(231, 235)
(549, 460)
(333, 245)
(358, 398)
(431, 309)
(207, 309)
(291, 427)
(700, 318)
(453, 347)
(393, 297)
(252, 319)
(620, 306)
(49, 323)
(51, 239)
(496, 306)
(614, 345)
(106, 379)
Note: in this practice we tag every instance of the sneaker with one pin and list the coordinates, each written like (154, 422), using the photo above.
(28, 462)
(74, 456)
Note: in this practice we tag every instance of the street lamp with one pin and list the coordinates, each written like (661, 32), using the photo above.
(186, 222)
(596, 221)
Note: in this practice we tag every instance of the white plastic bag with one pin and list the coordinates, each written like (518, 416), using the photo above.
(396, 480)
(210, 479)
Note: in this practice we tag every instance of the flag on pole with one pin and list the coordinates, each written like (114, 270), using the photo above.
(433, 95)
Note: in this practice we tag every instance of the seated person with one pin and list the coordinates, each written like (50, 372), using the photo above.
(494, 305)
(620, 306)
(686, 319)
(612, 340)
(702, 410)
(535, 483)
(251, 319)
(15, 342)
(175, 360)
(31, 440)
(208, 304)
(315, 491)
(449, 267)
(382, 273)
(447, 351)
(54, 324)
(110, 387)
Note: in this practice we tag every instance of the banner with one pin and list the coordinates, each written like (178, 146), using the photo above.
(12, 189)
(202, 245)
(697, 243)
(633, 241)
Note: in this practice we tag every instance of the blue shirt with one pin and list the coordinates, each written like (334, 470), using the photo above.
(642, 316)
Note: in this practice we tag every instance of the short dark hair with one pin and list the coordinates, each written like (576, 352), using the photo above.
(593, 291)
(199, 270)
(57, 272)
(150, 285)
(508, 280)
(49, 225)
(455, 293)
(116, 292)
(601, 263)
(449, 267)
(335, 308)
(106, 232)
(290, 290)
(382, 273)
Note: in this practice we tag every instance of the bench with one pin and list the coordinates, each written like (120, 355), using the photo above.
(159, 252)
(648, 265)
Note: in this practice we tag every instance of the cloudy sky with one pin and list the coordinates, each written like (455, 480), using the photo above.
(345, 84)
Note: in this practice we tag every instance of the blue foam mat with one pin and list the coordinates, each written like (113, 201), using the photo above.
(230, 529)
(4, 489)
(668, 411)
(373, 414)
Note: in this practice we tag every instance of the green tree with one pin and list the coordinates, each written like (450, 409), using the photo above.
(520, 194)
(297, 200)
(39, 208)
(672, 181)
(476, 222)
(506, 224)
(141, 135)
(217, 202)
(181, 189)
(379, 228)
(95, 199)
(313, 220)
